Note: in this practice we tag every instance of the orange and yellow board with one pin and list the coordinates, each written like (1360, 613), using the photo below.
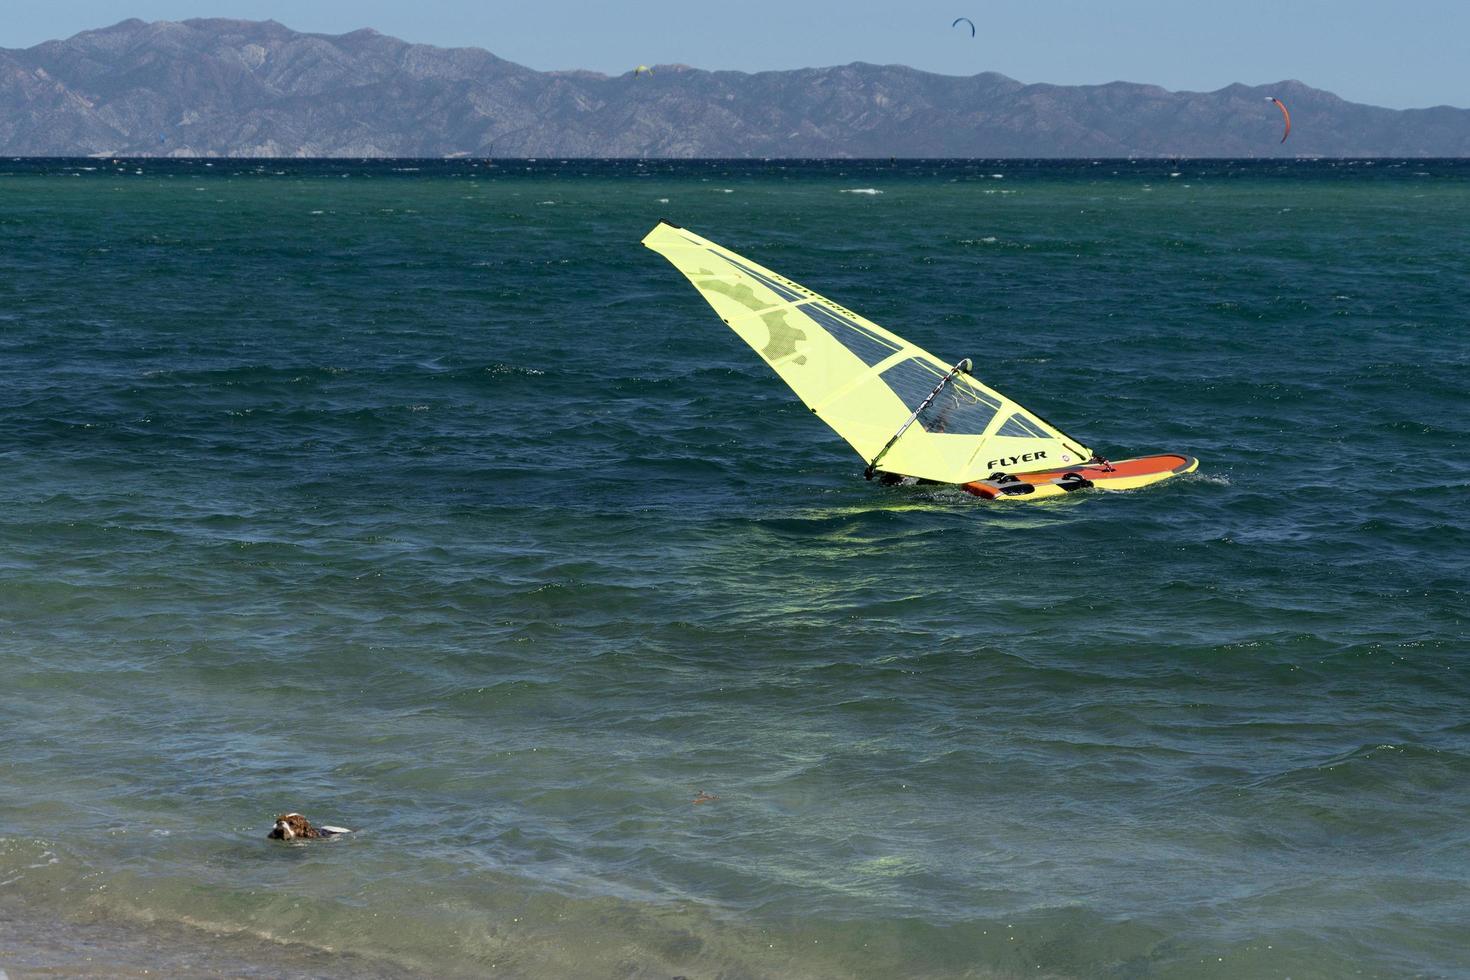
(1124, 474)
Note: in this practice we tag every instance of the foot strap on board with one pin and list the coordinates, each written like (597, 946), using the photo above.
(1006, 484)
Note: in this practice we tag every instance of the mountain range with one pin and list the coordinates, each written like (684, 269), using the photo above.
(258, 89)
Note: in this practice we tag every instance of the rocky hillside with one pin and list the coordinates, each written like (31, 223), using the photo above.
(242, 88)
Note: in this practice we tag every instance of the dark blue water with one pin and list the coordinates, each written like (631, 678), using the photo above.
(420, 498)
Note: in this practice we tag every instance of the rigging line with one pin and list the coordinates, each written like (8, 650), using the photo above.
(965, 366)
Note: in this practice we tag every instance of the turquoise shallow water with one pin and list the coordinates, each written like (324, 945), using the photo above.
(420, 498)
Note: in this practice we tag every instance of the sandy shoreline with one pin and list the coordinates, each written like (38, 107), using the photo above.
(34, 944)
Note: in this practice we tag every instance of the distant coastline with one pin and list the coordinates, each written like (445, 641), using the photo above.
(38, 163)
(259, 90)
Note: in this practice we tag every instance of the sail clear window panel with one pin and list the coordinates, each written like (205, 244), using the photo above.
(1018, 425)
(958, 409)
(867, 346)
(779, 288)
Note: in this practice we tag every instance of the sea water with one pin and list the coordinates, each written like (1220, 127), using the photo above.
(420, 498)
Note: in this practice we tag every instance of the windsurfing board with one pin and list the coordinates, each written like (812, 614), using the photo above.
(1125, 474)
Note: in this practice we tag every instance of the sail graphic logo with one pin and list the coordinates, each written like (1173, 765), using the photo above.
(1000, 464)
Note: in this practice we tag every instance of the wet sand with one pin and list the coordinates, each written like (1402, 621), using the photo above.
(33, 944)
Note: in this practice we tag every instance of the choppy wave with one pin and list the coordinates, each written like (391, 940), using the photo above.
(473, 528)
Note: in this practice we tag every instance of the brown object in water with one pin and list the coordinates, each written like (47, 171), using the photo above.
(703, 797)
(290, 826)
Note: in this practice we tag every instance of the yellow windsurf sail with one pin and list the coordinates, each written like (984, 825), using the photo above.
(863, 381)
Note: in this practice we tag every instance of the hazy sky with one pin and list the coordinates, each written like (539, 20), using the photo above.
(1407, 54)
